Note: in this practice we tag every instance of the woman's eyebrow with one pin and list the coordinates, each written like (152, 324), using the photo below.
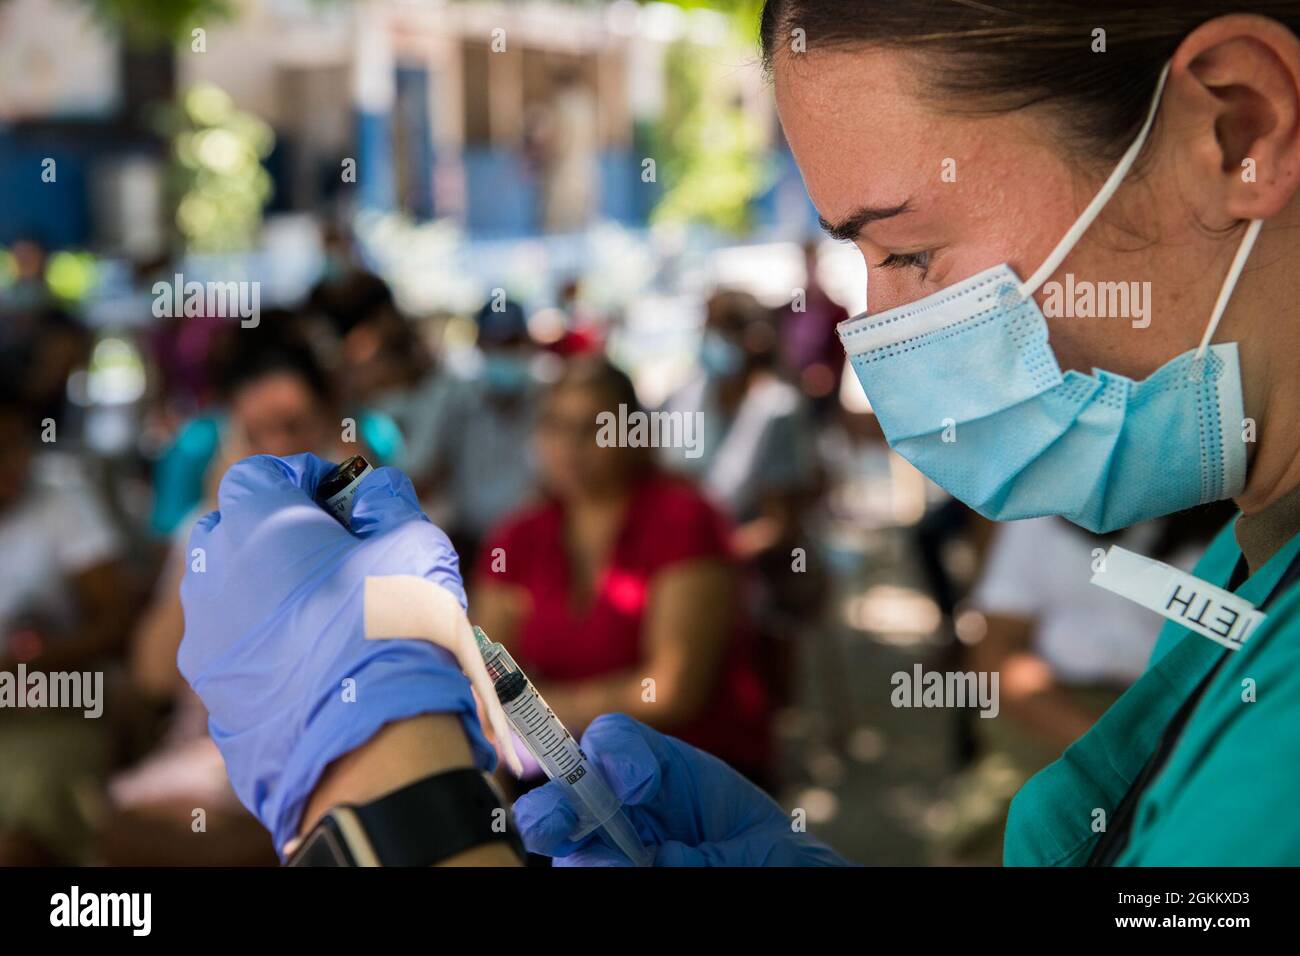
(850, 228)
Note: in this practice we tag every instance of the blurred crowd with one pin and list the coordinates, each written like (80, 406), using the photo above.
(682, 585)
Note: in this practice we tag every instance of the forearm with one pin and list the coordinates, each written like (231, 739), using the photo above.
(1032, 697)
(1029, 693)
(399, 754)
(578, 703)
(154, 645)
(1051, 715)
(775, 524)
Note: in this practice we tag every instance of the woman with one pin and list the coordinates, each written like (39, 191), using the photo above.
(943, 143)
(277, 395)
(755, 460)
(619, 591)
(65, 606)
(280, 403)
(755, 456)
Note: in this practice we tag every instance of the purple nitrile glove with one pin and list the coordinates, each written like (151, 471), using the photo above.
(274, 629)
(689, 807)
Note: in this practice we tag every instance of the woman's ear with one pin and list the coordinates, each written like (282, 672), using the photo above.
(1237, 78)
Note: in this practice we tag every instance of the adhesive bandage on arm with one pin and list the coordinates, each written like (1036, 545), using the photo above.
(406, 606)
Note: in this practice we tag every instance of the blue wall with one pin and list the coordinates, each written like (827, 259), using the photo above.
(503, 194)
(374, 133)
(56, 213)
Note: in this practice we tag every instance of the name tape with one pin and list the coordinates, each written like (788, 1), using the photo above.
(1210, 611)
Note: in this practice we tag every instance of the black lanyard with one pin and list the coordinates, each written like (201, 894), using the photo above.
(1115, 840)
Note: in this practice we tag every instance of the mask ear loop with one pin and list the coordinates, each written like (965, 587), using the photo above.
(1229, 284)
(1093, 210)
(1104, 194)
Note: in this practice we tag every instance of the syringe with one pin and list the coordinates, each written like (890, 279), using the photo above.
(559, 754)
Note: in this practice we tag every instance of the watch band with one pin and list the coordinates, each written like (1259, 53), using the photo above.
(433, 819)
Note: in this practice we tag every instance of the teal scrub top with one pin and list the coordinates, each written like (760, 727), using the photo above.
(1228, 794)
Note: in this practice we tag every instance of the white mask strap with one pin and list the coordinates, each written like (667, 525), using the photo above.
(1230, 283)
(1108, 188)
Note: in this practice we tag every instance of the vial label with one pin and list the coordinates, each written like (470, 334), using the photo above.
(340, 504)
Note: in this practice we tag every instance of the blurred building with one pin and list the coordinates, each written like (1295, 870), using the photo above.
(510, 119)
(73, 112)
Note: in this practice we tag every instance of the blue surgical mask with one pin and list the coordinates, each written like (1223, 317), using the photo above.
(719, 355)
(507, 374)
(966, 388)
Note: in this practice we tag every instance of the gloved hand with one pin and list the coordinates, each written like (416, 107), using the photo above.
(274, 642)
(688, 806)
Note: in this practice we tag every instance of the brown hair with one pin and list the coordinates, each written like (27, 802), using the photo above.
(598, 376)
(595, 373)
(1004, 55)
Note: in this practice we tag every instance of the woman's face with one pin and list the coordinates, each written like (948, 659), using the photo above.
(278, 414)
(570, 460)
(956, 194)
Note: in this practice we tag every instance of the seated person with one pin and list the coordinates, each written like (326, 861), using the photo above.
(475, 427)
(279, 405)
(756, 461)
(64, 607)
(294, 402)
(756, 458)
(619, 591)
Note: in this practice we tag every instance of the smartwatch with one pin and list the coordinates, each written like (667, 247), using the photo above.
(421, 824)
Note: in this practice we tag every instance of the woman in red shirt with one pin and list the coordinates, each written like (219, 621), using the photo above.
(618, 592)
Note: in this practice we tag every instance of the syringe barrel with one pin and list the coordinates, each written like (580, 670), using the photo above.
(560, 756)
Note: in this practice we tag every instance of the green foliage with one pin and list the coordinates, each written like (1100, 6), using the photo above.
(710, 150)
(71, 276)
(159, 21)
(217, 176)
(743, 14)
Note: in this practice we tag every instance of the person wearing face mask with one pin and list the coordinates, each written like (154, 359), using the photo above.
(474, 457)
(280, 402)
(755, 459)
(1189, 146)
(981, 168)
(754, 456)
(618, 574)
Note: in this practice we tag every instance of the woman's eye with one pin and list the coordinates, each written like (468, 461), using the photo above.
(906, 260)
